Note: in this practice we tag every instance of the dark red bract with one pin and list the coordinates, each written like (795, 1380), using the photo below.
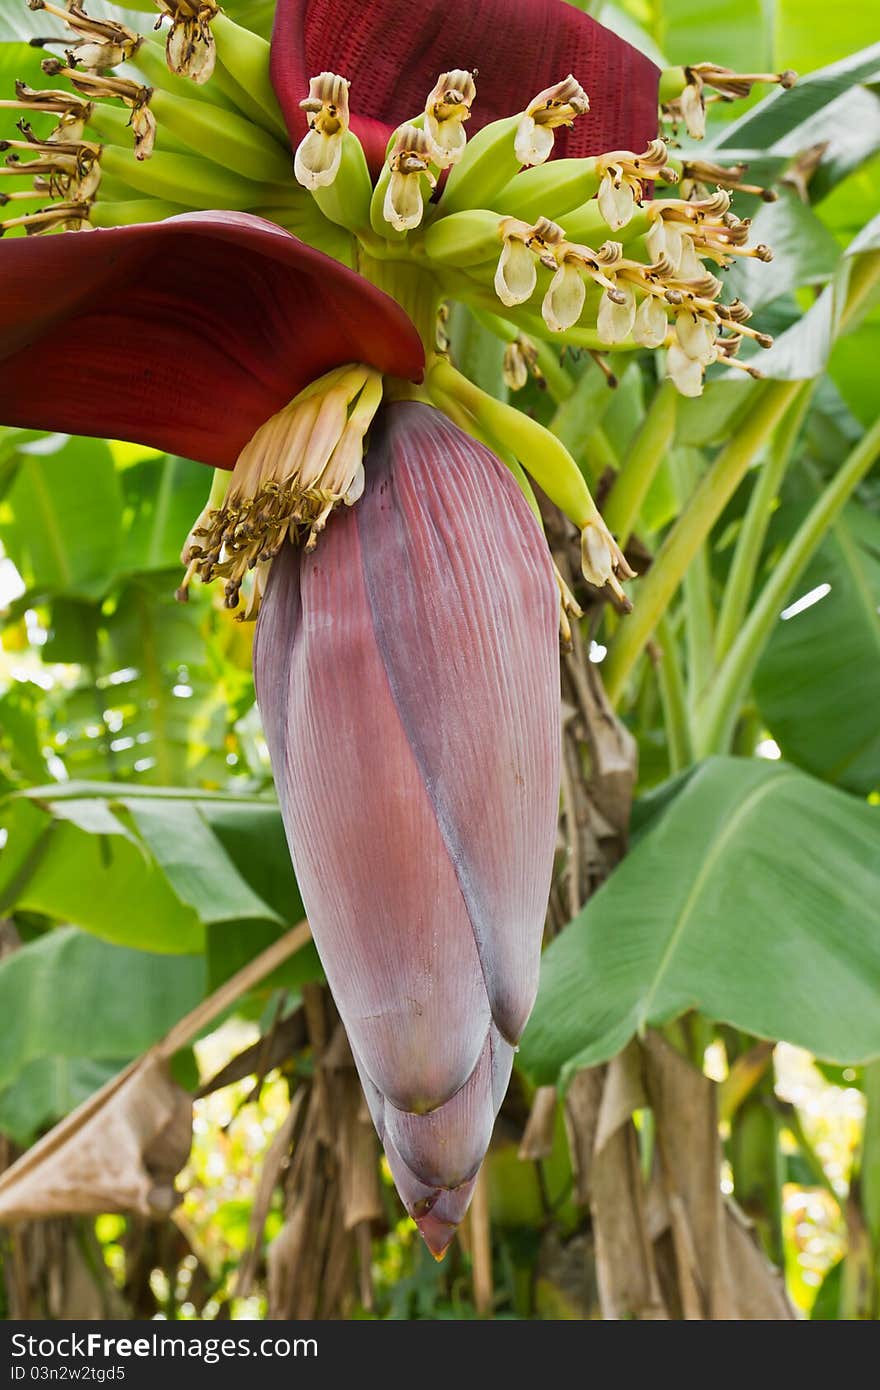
(392, 54)
(186, 335)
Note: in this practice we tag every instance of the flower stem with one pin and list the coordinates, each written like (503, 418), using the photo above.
(699, 615)
(692, 528)
(673, 697)
(715, 721)
(741, 579)
(644, 457)
(414, 288)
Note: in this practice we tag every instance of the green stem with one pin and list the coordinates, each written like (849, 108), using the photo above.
(644, 457)
(869, 1168)
(599, 456)
(691, 529)
(672, 83)
(699, 613)
(414, 288)
(578, 417)
(716, 719)
(673, 697)
(741, 579)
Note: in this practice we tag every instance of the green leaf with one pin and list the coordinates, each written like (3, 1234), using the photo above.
(158, 869)
(804, 252)
(76, 862)
(165, 496)
(818, 684)
(47, 1089)
(754, 898)
(729, 32)
(66, 994)
(807, 35)
(802, 351)
(66, 527)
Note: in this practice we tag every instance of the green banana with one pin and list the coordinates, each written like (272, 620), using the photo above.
(131, 211)
(112, 123)
(244, 59)
(586, 223)
(346, 201)
(222, 136)
(464, 238)
(181, 178)
(549, 190)
(377, 208)
(489, 163)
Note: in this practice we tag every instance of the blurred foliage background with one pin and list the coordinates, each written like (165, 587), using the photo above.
(143, 859)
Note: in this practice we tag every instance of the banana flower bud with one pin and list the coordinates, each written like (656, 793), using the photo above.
(407, 673)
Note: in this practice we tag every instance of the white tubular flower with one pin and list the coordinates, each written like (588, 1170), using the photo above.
(651, 325)
(664, 238)
(555, 106)
(519, 360)
(696, 336)
(616, 316)
(689, 266)
(517, 272)
(692, 106)
(564, 301)
(317, 158)
(409, 162)
(447, 109)
(686, 373)
(623, 173)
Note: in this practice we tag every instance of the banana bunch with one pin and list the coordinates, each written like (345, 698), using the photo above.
(564, 251)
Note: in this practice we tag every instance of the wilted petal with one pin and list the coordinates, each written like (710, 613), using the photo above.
(518, 47)
(186, 334)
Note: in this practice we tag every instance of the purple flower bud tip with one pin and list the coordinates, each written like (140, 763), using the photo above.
(408, 675)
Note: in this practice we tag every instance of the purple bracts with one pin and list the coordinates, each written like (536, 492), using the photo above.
(407, 672)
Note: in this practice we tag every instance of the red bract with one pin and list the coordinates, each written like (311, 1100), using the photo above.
(408, 675)
(185, 335)
(392, 55)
